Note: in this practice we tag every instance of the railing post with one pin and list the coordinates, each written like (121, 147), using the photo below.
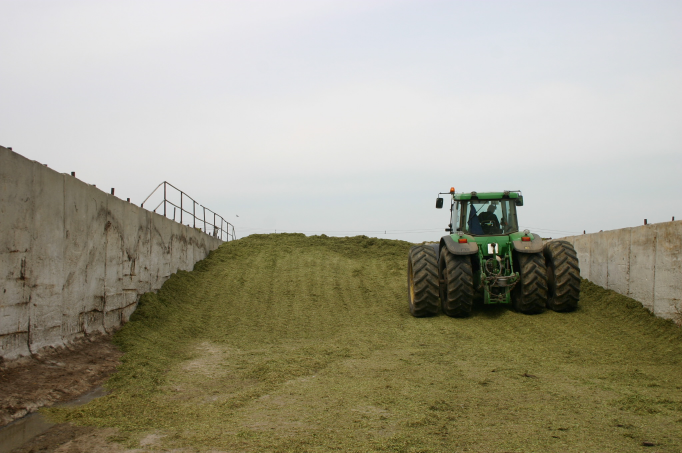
(164, 198)
(194, 213)
(181, 207)
(204, 218)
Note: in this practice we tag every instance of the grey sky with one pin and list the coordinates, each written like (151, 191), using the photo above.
(347, 117)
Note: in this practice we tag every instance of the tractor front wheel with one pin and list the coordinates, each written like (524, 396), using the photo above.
(563, 276)
(530, 294)
(456, 284)
(422, 281)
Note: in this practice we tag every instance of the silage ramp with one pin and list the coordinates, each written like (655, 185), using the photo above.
(285, 342)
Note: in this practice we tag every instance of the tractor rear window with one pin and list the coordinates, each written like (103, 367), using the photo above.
(485, 217)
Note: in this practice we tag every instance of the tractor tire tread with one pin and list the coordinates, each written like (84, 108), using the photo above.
(530, 294)
(423, 264)
(457, 293)
(564, 275)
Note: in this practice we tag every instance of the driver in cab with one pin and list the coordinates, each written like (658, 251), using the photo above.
(489, 221)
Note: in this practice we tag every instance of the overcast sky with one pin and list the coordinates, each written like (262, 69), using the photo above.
(348, 117)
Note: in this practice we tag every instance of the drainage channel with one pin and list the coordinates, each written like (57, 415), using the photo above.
(26, 428)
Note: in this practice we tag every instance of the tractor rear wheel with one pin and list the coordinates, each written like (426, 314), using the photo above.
(422, 281)
(530, 294)
(456, 284)
(563, 276)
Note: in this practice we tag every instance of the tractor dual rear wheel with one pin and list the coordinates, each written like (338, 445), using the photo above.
(563, 276)
(456, 284)
(530, 294)
(422, 281)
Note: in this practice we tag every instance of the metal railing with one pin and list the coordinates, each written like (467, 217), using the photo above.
(208, 221)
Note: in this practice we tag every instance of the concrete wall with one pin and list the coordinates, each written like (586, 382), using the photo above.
(73, 259)
(644, 263)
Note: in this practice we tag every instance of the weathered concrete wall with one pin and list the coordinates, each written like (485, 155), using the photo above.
(643, 262)
(73, 259)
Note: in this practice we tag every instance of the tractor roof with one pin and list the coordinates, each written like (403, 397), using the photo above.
(485, 195)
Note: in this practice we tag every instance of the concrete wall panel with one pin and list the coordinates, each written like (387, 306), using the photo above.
(16, 225)
(14, 318)
(73, 259)
(14, 324)
(15, 344)
(179, 246)
(199, 246)
(189, 251)
(643, 264)
(582, 247)
(135, 258)
(199, 243)
(115, 261)
(143, 262)
(133, 230)
(599, 260)
(16, 207)
(618, 244)
(44, 264)
(84, 255)
(668, 278)
(160, 250)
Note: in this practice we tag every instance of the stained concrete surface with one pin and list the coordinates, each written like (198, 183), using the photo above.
(74, 259)
(644, 263)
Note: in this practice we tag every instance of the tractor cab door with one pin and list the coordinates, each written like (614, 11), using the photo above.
(455, 216)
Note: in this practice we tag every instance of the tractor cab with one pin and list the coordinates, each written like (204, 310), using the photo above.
(484, 214)
(484, 217)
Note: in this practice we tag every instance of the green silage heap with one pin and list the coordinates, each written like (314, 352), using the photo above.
(284, 342)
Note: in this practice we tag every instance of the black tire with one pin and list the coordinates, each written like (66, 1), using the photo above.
(456, 284)
(563, 276)
(530, 293)
(422, 281)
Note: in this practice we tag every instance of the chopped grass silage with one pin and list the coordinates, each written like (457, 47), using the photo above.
(291, 343)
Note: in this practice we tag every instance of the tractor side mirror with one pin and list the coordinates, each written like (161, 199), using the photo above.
(519, 201)
(439, 203)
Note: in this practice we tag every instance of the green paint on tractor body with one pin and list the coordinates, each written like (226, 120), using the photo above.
(501, 246)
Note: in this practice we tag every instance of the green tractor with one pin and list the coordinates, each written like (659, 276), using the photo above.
(486, 258)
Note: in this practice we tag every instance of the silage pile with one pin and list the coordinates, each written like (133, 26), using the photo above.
(291, 343)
